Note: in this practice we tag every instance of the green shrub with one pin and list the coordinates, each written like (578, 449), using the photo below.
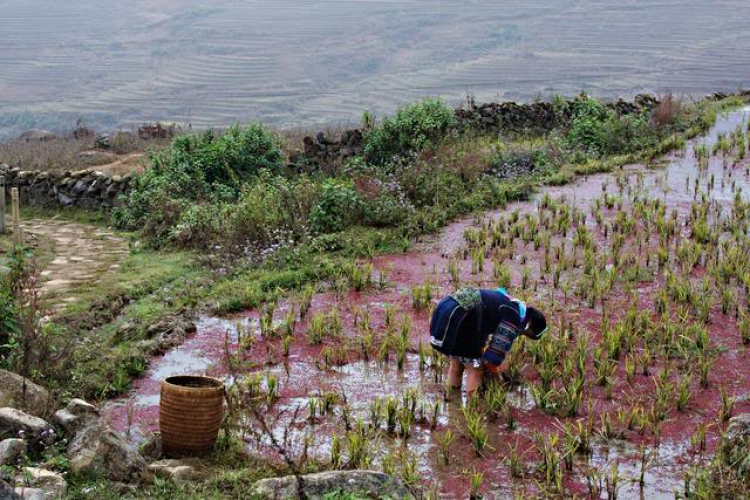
(198, 169)
(268, 215)
(413, 128)
(9, 314)
(237, 155)
(337, 208)
(598, 130)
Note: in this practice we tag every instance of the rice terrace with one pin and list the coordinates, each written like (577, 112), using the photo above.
(374, 250)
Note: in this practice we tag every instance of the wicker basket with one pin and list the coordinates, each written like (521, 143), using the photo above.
(191, 410)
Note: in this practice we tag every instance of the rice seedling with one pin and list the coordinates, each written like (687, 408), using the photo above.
(607, 428)
(317, 329)
(409, 471)
(594, 482)
(744, 326)
(705, 363)
(391, 414)
(663, 395)
(728, 301)
(312, 409)
(727, 405)
(515, 461)
(272, 389)
(698, 439)
(501, 274)
(375, 413)
(285, 345)
(571, 396)
(365, 344)
(549, 466)
(477, 261)
(360, 276)
(405, 422)
(328, 357)
(495, 396)
(336, 457)
(454, 271)
(434, 415)
(476, 428)
(267, 329)
(569, 446)
(630, 368)
(683, 393)
(389, 315)
(358, 443)
(421, 296)
(604, 367)
(476, 482)
(383, 279)
(445, 441)
(645, 361)
(401, 344)
(612, 481)
(525, 278)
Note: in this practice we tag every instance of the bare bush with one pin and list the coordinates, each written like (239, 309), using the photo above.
(666, 112)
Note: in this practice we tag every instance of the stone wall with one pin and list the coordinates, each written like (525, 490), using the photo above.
(84, 189)
(323, 152)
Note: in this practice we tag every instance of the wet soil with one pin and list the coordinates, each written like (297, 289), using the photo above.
(304, 373)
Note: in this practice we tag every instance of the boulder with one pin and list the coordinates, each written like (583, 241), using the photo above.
(736, 443)
(22, 393)
(76, 415)
(7, 492)
(98, 450)
(180, 471)
(65, 201)
(14, 423)
(11, 451)
(102, 141)
(49, 484)
(367, 484)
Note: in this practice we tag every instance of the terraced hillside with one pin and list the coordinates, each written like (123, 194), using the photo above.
(296, 63)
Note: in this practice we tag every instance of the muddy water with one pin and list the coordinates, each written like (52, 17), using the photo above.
(303, 375)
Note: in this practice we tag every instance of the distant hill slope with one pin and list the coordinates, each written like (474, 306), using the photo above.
(297, 62)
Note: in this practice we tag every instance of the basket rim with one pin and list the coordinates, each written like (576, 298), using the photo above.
(212, 383)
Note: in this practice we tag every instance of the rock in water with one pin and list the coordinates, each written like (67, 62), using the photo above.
(22, 393)
(366, 484)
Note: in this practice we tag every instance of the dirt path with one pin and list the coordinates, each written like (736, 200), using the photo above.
(122, 165)
(80, 254)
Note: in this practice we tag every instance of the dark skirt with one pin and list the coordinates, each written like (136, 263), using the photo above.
(455, 331)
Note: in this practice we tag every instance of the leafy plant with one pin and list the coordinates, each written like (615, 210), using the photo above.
(413, 128)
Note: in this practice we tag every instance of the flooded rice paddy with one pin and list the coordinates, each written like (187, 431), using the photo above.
(320, 394)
